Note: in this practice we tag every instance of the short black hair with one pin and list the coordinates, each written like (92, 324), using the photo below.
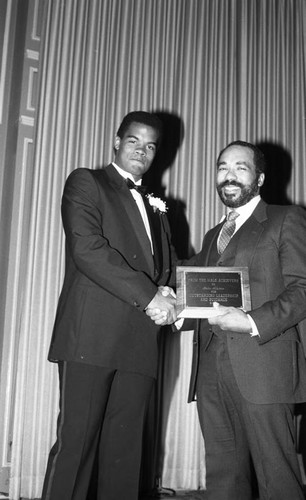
(259, 159)
(143, 117)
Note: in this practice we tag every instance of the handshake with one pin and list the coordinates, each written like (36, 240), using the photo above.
(162, 308)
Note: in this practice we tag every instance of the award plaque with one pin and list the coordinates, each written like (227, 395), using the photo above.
(199, 287)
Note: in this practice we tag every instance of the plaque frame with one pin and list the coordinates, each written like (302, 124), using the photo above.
(242, 299)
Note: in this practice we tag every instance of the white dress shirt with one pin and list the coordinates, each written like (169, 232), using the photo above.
(139, 201)
(245, 211)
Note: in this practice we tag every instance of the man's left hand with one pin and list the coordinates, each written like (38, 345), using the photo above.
(231, 318)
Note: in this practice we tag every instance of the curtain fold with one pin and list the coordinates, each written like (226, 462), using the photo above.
(229, 69)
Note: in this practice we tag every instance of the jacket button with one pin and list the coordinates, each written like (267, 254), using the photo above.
(135, 303)
(135, 256)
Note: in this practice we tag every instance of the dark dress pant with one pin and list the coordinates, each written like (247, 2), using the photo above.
(102, 413)
(241, 436)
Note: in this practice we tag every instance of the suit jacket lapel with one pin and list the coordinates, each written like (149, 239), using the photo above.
(210, 244)
(130, 207)
(155, 225)
(243, 244)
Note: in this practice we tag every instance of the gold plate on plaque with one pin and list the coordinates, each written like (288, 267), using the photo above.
(199, 287)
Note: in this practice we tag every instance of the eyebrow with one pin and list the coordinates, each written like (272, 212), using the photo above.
(239, 162)
(137, 138)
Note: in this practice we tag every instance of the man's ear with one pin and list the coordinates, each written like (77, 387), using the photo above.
(117, 142)
(261, 179)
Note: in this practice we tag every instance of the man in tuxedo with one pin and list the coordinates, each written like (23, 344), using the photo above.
(248, 366)
(118, 254)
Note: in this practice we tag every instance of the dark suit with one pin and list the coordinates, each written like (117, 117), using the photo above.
(261, 376)
(101, 332)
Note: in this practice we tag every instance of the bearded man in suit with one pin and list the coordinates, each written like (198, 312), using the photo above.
(118, 254)
(249, 367)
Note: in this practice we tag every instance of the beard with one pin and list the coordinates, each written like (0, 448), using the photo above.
(247, 192)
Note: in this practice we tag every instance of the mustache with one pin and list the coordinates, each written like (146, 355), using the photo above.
(230, 183)
(138, 158)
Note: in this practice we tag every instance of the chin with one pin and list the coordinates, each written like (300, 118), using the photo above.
(230, 201)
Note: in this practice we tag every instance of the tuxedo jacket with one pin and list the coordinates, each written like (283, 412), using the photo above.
(270, 368)
(110, 275)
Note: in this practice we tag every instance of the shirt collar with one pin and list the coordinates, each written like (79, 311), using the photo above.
(126, 175)
(246, 210)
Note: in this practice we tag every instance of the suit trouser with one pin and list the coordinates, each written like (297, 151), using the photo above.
(240, 435)
(102, 412)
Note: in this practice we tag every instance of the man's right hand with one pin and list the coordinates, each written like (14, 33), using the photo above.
(162, 308)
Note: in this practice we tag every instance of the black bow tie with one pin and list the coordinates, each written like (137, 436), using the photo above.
(131, 185)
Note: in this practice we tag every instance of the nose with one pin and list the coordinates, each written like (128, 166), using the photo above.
(231, 174)
(141, 150)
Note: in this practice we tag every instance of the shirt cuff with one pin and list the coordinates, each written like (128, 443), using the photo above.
(254, 332)
(179, 323)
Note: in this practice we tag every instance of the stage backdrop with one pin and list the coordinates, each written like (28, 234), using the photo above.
(216, 71)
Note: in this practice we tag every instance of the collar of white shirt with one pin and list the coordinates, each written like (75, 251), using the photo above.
(245, 211)
(126, 175)
(139, 201)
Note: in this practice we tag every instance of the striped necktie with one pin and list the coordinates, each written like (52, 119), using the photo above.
(227, 231)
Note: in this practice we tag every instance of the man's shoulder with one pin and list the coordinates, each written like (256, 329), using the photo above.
(91, 172)
(87, 176)
(283, 211)
(287, 220)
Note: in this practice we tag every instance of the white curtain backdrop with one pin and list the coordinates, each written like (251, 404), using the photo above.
(228, 69)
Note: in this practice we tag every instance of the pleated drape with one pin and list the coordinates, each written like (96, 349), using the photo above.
(228, 69)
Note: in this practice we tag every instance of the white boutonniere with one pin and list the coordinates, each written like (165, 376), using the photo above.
(157, 204)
